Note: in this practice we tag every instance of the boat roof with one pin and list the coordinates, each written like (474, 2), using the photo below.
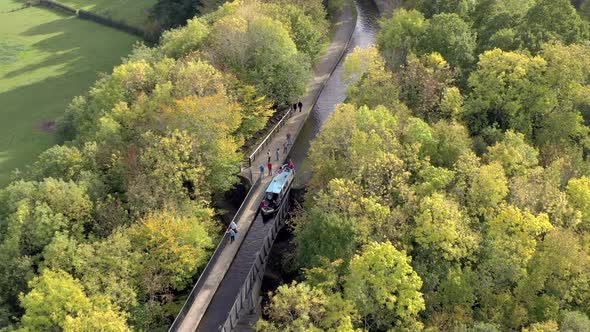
(278, 182)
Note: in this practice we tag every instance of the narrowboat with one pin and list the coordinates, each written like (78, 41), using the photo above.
(276, 191)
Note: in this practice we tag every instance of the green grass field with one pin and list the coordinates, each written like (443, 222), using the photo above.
(132, 12)
(46, 59)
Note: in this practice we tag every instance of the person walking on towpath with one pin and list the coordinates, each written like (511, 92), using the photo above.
(269, 168)
(285, 147)
(261, 168)
(294, 107)
(289, 138)
(300, 106)
(278, 152)
(268, 155)
(232, 225)
(232, 235)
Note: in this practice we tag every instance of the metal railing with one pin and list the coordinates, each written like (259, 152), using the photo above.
(273, 132)
(244, 298)
(222, 243)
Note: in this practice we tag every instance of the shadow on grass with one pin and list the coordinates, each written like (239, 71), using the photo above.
(73, 43)
(71, 53)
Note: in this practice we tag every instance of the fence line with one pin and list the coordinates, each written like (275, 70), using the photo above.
(222, 244)
(86, 15)
(59, 6)
(119, 25)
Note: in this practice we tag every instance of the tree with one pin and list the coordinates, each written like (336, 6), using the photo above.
(462, 8)
(350, 201)
(539, 190)
(168, 173)
(57, 301)
(384, 288)
(575, 321)
(315, 9)
(422, 84)
(109, 99)
(465, 170)
(504, 39)
(168, 14)
(511, 241)
(103, 320)
(349, 143)
(307, 33)
(552, 20)
(299, 307)
(452, 140)
(416, 132)
(432, 179)
(173, 248)
(557, 276)
(565, 125)
(496, 23)
(59, 162)
(578, 195)
(210, 122)
(488, 189)
(451, 105)
(278, 70)
(516, 157)
(255, 109)
(324, 234)
(107, 267)
(441, 228)
(109, 214)
(16, 271)
(548, 326)
(567, 73)
(34, 211)
(399, 35)
(193, 79)
(508, 91)
(484, 327)
(369, 83)
(179, 42)
(450, 36)
(331, 147)
(451, 304)
(261, 52)
(54, 295)
(560, 133)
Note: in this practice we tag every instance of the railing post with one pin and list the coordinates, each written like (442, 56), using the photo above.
(251, 301)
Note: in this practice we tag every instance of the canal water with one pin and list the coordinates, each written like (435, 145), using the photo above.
(334, 93)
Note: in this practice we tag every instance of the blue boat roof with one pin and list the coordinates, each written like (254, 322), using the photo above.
(278, 182)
